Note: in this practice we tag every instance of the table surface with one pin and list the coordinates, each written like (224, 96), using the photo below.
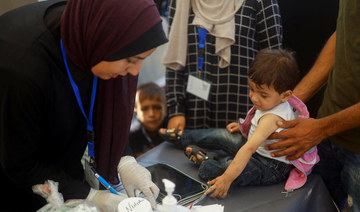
(313, 196)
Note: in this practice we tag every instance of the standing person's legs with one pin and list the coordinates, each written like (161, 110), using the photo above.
(340, 170)
(329, 168)
(351, 180)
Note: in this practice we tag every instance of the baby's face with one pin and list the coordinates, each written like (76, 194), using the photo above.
(151, 113)
(264, 97)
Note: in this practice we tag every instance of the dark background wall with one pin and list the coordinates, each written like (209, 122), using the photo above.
(307, 25)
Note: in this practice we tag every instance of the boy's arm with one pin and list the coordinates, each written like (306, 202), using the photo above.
(266, 126)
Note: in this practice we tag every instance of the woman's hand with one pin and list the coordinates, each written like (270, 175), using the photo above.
(136, 178)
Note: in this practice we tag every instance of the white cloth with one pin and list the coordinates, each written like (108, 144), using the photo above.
(283, 110)
(217, 17)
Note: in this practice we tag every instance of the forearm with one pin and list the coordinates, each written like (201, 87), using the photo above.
(265, 128)
(238, 164)
(30, 154)
(244, 154)
(319, 73)
(346, 119)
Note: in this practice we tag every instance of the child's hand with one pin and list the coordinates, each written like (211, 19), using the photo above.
(233, 127)
(219, 186)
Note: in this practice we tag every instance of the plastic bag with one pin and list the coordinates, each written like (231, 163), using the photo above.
(55, 200)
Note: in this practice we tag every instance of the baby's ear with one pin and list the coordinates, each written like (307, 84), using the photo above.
(286, 95)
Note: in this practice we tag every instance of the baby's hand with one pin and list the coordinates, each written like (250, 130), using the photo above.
(219, 187)
(233, 127)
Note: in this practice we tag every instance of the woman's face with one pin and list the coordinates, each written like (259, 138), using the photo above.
(111, 69)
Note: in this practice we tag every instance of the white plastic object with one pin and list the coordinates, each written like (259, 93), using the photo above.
(169, 202)
(135, 204)
(55, 200)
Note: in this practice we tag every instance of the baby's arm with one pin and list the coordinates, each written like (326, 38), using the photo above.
(266, 126)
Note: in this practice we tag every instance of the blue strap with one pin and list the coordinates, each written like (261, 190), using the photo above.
(89, 125)
(91, 148)
(202, 37)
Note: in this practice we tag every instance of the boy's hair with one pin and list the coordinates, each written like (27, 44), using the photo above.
(275, 67)
(150, 91)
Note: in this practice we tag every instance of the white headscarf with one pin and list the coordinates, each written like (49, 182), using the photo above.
(217, 17)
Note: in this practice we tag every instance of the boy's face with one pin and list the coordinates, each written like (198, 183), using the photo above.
(151, 113)
(264, 97)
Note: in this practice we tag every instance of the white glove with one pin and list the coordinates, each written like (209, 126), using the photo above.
(137, 178)
(105, 200)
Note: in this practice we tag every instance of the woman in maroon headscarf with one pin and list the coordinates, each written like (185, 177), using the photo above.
(55, 58)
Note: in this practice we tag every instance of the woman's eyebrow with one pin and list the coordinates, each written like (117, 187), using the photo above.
(140, 58)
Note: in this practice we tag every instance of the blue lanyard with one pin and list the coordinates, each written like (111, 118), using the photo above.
(202, 37)
(89, 125)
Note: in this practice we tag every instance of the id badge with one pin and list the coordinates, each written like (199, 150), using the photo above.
(90, 176)
(198, 87)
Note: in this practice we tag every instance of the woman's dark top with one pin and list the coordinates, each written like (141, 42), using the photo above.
(42, 130)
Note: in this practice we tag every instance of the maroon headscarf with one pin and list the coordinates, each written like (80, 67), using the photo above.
(93, 31)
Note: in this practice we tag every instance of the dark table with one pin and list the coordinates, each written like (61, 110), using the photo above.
(313, 196)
